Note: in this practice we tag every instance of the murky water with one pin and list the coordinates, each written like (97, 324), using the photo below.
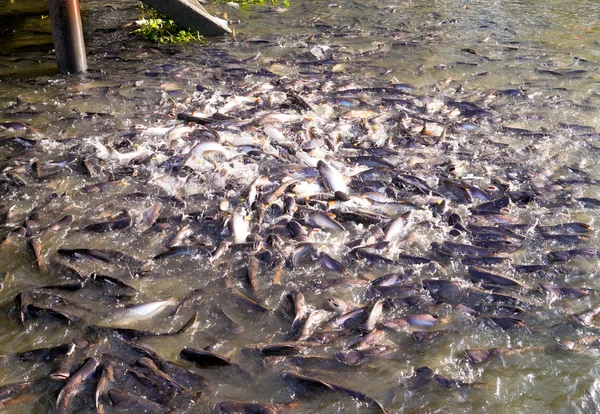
(514, 85)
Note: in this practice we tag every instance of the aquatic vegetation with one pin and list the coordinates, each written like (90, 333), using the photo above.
(159, 28)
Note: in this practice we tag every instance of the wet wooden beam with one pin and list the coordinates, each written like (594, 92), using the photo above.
(190, 14)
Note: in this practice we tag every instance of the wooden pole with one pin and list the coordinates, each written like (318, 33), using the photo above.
(67, 33)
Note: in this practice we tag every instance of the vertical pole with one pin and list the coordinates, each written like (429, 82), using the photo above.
(67, 33)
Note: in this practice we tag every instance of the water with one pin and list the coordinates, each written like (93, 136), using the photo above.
(531, 64)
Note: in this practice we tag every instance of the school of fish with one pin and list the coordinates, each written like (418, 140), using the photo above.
(341, 229)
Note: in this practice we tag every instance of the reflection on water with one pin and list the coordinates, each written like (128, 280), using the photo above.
(473, 98)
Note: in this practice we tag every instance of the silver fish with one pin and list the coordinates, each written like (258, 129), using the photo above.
(298, 302)
(373, 316)
(336, 304)
(238, 226)
(396, 226)
(311, 323)
(200, 150)
(588, 317)
(138, 313)
(332, 178)
(88, 368)
(324, 221)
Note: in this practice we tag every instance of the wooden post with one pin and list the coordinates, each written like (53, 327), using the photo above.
(67, 33)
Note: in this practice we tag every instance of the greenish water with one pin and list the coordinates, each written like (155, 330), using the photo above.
(532, 64)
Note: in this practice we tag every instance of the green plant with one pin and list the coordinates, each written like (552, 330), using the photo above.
(159, 28)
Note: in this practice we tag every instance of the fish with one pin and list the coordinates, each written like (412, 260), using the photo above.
(482, 355)
(494, 206)
(572, 227)
(236, 407)
(11, 394)
(312, 322)
(246, 302)
(165, 381)
(330, 263)
(12, 126)
(271, 197)
(183, 376)
(587, 317)
(87, 369)
(132, 333)
(478, 274)
(125, 401)
(117, 224)
(421, 320)
(251, 272)
(230, 324)
(373, 316)
(101, 187)
(46, 354)
(421, 377)
(316, 384)
(138, 313)
(61, 224)
(368, 340)
(339, 222)
(566, 290)
(354, 357)
(101, 256)
(50, 305)
(506, 323)
(571, 344)
(180, 236)
(179, 251)
(414, 182)
(347, 319)
(205, 359)
(302, 250)
(566, 238)
(238, 226)
(396, 226)
(106, 377)
(149, 216)
(332, 178)
(35, 244)
(200, 150)
(465, 249)
(298, 231)
(373, 258)
(337, 304)
(300, 310)
(324, 221)
(567, 255)
(194, 297)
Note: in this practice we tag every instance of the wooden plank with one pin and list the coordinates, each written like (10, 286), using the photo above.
(190, 14)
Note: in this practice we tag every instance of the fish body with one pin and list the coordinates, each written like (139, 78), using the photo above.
(138, 313)
(202, 149)
(87, 369)
(332, 178)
